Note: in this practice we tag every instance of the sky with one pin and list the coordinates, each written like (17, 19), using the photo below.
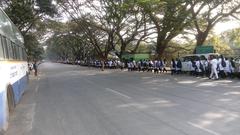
(221, 27)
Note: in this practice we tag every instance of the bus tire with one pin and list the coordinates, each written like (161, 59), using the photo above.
(10, 99)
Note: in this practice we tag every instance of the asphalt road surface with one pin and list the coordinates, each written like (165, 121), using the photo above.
(72, 100)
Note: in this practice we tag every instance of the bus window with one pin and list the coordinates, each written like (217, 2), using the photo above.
(4, 43)
(20, 53)
(14, 48)
(1, 50)
(24, 54)
(10, 49)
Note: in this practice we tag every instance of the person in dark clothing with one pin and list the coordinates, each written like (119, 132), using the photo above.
(179, 66)
(35, 68)
(173, 66)
(164, 63)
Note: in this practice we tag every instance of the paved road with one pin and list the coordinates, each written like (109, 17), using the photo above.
(71, 100)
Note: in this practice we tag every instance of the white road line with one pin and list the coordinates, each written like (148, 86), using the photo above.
(118, 93)
(204, 129)
(36, 89)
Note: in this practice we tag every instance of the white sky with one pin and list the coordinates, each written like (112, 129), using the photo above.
(221, 27)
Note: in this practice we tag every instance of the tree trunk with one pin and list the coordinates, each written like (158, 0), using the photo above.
(201, 38)
(103, 59)
(123, 48)
(161, 46)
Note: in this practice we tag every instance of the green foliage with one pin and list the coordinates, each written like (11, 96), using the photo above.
(33, 48)
(68, 43)
(232, 37)
(27, 15)
(220, 45)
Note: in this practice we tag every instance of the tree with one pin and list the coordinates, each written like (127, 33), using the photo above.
(26, 13)
(232, 37)
(92, 24)
(67, 42)
(169, 18)
(206, 14)
(28, 16)
(220, 46)
(33, 48)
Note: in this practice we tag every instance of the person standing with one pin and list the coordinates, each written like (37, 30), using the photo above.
(35, 68)
(214, 65)
(164, 64)
(222, 65)
(232, 67)
(179, 66)
(198, 68)
(173, 66)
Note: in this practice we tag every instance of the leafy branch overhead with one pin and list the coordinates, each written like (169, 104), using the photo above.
(93, 29)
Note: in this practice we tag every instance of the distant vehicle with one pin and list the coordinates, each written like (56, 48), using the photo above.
(13, 68)
(186, 60)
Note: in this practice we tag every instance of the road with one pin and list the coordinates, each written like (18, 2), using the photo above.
(71, 100)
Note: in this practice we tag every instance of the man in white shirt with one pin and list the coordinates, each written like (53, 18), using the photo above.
(214, 63)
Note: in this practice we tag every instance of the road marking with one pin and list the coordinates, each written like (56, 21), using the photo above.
(204, 129)
(36, 89)
(118, 93)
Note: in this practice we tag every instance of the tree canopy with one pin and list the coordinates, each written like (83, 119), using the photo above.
(96, 28)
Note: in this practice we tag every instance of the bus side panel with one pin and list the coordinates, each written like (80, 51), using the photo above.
(3, 110)
(18, 88)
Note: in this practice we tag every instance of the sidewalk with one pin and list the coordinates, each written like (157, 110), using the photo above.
(21, 119)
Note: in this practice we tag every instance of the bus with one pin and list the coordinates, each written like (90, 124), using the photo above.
(13, 68)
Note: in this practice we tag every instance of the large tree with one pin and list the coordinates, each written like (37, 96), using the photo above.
(207, 13)
(28, 16)
(169, 17)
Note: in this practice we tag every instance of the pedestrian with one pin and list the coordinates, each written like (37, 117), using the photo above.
(227, 69)
(179, 66)
(78, 62)
(35, 68)
(206, 67)
(221, 66)
(232, 67)
(192, 65)
(199, 68)
(156, 66)
(164, 64)
(173, 67)
(214, 65)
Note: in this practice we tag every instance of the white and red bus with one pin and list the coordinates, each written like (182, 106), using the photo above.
(13, 68)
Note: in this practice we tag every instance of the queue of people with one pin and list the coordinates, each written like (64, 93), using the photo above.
(214, 67)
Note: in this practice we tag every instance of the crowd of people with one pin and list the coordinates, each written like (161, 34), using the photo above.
(214, 67)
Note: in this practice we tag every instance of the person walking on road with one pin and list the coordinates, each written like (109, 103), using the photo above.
(214, 65)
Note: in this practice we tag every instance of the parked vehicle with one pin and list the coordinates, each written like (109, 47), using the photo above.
(186, 60)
